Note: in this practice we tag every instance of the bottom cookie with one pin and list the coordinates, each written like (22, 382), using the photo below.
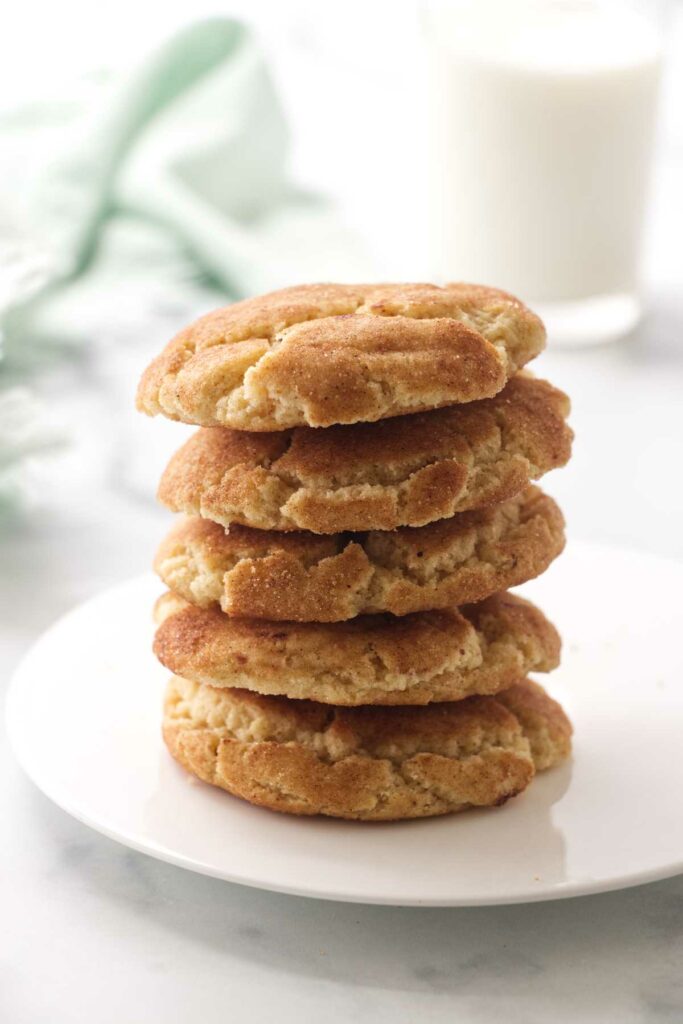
(365, 763)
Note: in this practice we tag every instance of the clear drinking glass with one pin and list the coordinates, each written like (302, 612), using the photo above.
(541, 128)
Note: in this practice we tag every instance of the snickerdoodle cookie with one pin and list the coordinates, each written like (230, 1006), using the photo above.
(373, 764)
(374, 659)
(407, 471)
(306, 577)
(321, 354)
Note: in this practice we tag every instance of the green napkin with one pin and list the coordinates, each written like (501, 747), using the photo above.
(157, 196)
(191, 149)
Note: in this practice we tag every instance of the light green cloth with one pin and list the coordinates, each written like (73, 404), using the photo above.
(193, 147)
(154, 198)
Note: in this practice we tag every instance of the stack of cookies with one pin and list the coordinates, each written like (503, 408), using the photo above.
(357, 502)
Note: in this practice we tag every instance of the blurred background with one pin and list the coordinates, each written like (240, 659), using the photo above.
(159, 160)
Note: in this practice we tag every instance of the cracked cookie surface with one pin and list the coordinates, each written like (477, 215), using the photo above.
(407, 471)
(322, 354)
(306, 577)
(372, 764)
(375, 659)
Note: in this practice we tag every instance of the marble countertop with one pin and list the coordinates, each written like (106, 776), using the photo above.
(93, 932)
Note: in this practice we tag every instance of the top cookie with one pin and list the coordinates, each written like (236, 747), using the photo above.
(321, 354)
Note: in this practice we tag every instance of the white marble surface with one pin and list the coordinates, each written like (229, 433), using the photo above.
(92, 932)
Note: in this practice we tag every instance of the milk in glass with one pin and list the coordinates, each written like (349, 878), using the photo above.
(542, 119)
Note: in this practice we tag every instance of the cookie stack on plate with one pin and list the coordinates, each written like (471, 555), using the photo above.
(357, 502)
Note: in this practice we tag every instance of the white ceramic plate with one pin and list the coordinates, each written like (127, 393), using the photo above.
(83, 717)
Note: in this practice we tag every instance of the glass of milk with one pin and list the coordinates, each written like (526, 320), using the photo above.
(541, 125)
